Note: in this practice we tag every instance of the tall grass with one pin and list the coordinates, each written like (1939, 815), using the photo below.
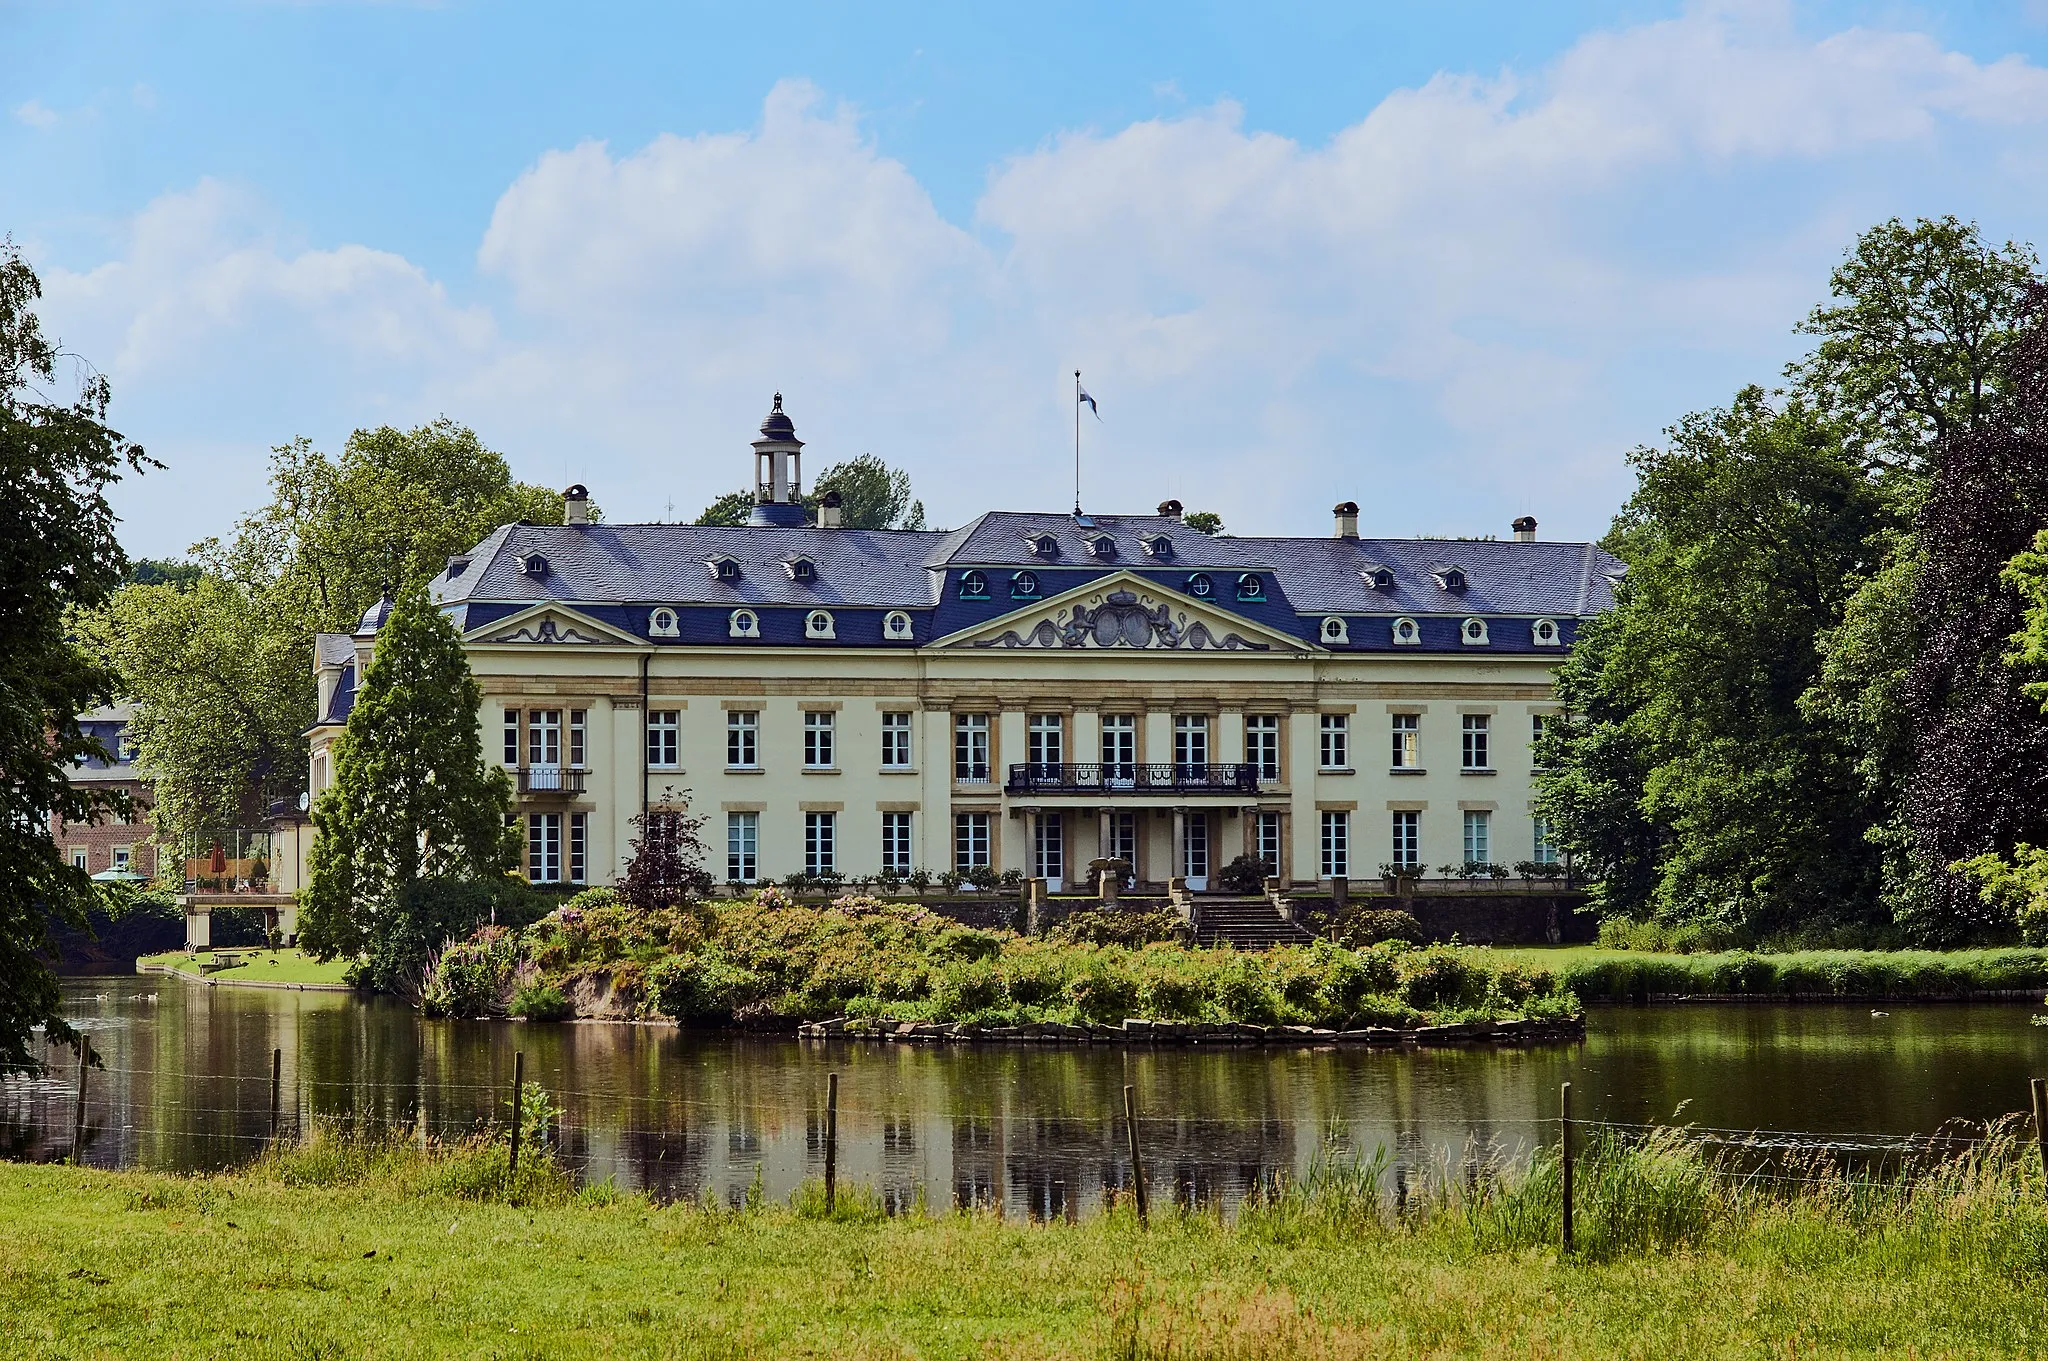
(1868, 973)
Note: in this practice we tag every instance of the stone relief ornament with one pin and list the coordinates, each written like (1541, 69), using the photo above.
(1122, 619)
(545, 632)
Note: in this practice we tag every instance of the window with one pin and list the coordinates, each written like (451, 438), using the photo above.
(1478, 836)
(664, 738)
(1250, 587)
(1545, 844)
(742, 738)
(1407, 837)
(579, 728)
(1159, 546)
(1194, 848)
(1120, 747)
(800, 569)
(974, 586)
(80, 858)
(742, 847)
(1544, 633)
(544, 737)
(1335, 630)
(1200, 586)
(1336, 754)
(1046, 546)
(818, 739)
(1048, 848)
(896, 741)
(544, 848)
(1190, 742)
(896, 626)
(1024, 585)
(821, 836)
(1473, 632)
(536, 565)
(743, 624)
(1406, 634)
(725, 569)
(511, 737)
(1102, 546)
(1336, 844)
(1476, 754)
(818, 624)
(1407, 741)
(579, 824)
(970, 841)
(1378, 578)
(1043, 740)
(1262, 744)
(970, 748)
(896, 843)
(1537, 723)
(1123, 842)
(1267, 832)
(121, 854)
(662, 623)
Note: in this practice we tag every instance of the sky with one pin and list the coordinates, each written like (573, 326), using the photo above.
(1452, 261)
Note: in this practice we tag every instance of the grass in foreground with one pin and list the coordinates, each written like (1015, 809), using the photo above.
(259, 966)
(342, 1248)
(1592, 971)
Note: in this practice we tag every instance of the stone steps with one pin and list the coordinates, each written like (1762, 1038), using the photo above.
(1244, 924)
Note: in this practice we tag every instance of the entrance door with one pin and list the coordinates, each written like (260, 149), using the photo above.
(1194, 856)
(1048, 858)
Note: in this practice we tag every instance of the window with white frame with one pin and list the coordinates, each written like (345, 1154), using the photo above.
(742, 847)
(1044, 740)
(544, 848)
(579, 732)
(743, 738)
(1190, 741)
(511, 738)
(1544, 842)
(970, 841)
(1478, 836)
(544, 738)
(1119, 747)
(896, 741)
(896, 843)
(664, 738)
(80, 858)
(1336, 844)
(1407, 837)
(970, 748)
(818, 727)
(1537, 724)
(1336, 749)
(1048, 849)
(1262, 744)
(1407, 729)
(579, 836)
(121, 856)
(821, 843)
(1477, 756)
(1268, 842)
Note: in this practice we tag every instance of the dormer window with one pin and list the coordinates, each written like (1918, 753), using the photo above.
(1450, 579)
(1251, 587)
(818, 624)
(896, 626)
(1200, 587)
(973, 586)
(1024, 586)
(1377, 578)
(662, 623)
(1102, 546)
(724, 569)
(1334, 631)
(1406, 633)
(800, 569)
(535, 565)
(1544, 633)
(1159, 546)
(1473, 633)
(743, 624)
(1045, 545)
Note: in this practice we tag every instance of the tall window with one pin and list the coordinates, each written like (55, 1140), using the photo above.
(1336, 742)
(1043, 740)
(544, 848)
(579, 731)
(1545, 844)
(743, 847)
(821, 843)
(970, 841)
(743, 738)
(1119, 747)
(818, 739)
(970, 748)
(664, 738)
(80, 857)
(579, 830)
(1478, 836)
(1336, 844)
(1123, 841)
(1048, 851)
(544, 738)
(896, 843)
(511, 739)
(1476, 753)
(1407, 741)
(121, 854)
(1537, 723)
(1190, 741)
(1262, 744)
(1268, 834)
(1194, 846)
(1407, 837)
(895, 741)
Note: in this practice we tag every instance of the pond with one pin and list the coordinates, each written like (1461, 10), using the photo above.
(1036, 1129)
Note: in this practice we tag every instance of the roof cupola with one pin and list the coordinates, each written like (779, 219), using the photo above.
(778, 472)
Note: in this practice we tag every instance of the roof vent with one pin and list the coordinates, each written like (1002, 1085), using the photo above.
(1525, 529)
(1170, 509)
(828, 510)
(576, 505)
(1347, 519)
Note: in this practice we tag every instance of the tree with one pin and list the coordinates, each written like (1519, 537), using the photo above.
(1203, 522)
(58, 555)
(667, 867)
(161, 571)
(412, 802)
(872, 495)
(730, 510)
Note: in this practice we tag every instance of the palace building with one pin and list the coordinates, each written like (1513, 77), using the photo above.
(1030, 691)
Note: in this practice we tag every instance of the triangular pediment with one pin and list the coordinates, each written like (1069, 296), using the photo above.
(551, 625)
(1124, 611)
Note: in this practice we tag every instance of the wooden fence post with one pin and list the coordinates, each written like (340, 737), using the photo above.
(78, 1109)
(831, 1140)
(1564, 1097)
(2040, 1090)
(276, 1078)
(1137, 1163)
(518, 1096)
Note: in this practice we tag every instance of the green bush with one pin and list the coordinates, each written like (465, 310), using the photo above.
(1172, 997)
(1244, 993)
(706, 989)
(471, 977)
(1376, 925)
(1103, 992)
(1440, 976)
(540, 1002)
(1129, 927)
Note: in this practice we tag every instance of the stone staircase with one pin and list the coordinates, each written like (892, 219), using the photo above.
(1244, 924)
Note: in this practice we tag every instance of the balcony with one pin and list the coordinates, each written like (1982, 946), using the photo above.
(551, 780)
(1111, 779)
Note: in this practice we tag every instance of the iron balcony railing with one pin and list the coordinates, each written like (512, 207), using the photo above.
(1111, 777)
(550, 780)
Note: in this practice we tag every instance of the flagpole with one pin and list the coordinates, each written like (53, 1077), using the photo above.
(1077, 441)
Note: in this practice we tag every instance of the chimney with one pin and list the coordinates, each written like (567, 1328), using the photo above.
(1170, 509)
(828, 510)
(576, 505)
(1347, 519)
(1525, 529)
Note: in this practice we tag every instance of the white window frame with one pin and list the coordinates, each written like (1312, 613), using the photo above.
(1334, 749)
(821, 843)
(511, 739)
(896, 748)
(1542, 842)
(1406, 731)
(1049, 847)
(664, 739)
(579, 739)
(973, 847)
(1478, 836)
(1336, 843)
(1119, 748)
(1262, 744)
(971, 750)
(1269, 845)
(544, 739)
(1045, 739)
(742, 739)
(1406, 838)
(820, 740)
(1476, 742)
(742, 847)
(897, 830)
(544, 848)
(1190, 741)
(578, 868)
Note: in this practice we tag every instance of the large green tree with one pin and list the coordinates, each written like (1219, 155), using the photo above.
(413, 803)
(58, 555)
(872, 495)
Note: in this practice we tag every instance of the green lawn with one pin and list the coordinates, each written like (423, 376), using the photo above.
(255, 965)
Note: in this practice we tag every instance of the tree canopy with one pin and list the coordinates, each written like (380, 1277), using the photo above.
(872, 495)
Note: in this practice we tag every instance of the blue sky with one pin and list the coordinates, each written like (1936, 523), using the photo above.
(1451, 261)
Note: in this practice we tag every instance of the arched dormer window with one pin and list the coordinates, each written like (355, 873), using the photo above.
(1251, 587)
(1544, 633)
(662, 623)
(974, 585)
(743, 624)
(724, 569)
(1024, 586)
(896, 627)
(535, 565)
(1406, 633)
(1472, 633)
(1200, 587)
(818, 624)
(1334, 631)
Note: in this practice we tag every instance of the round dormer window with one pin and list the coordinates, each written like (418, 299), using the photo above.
(1544, 633)
(1024, 585)
(1335, 630)
(662, 623)
(973, 586)
(1473, 632)
(896, 626)
(1406, 634)
(1200, 586)
(1250, 587)
(743, 624)
(818, 624)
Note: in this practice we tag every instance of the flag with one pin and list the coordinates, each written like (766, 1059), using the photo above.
(1081, 395)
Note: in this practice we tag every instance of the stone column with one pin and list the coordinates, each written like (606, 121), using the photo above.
(1177, 867)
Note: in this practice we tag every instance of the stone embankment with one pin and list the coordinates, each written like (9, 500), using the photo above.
(1195, 1032)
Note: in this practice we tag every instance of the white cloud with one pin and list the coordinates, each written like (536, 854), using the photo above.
(36, 114)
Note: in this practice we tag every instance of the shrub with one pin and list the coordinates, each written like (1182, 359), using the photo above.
(1103, 992)
(1350, 976)
(965, 988)
(1173, 997)
(1375, 925)
(1440, 976)
(1034, 981)
(1244, 993)
(1246, 874)
(703, 989)
(965, 942)
(540, 1002)
(471, 977)
(1130, 928)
